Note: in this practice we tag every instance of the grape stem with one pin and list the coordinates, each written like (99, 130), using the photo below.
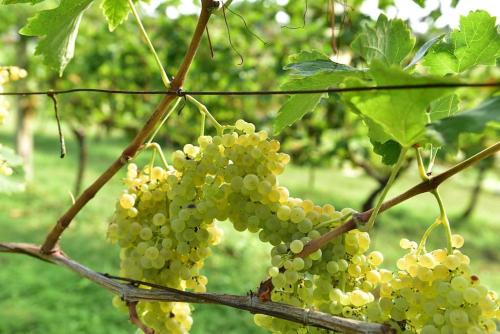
(204, 111)
(443, 217)
(390, 182)
(156, 149)
(142, 135)
(427, 233)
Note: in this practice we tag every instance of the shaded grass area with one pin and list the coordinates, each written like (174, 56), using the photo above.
(41, 298)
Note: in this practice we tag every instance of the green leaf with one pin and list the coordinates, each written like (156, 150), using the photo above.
(423, 50)
(115, 11)
(389, 151)
(307, 55)
(389, 41)
(309, 70)
(320, 80)
(471, 121)
(59, 29)
(476, 42)
(13, 2)
(294, 109)
(444, 107)
(402, 114)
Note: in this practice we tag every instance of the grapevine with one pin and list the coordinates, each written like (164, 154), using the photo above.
(323, 275)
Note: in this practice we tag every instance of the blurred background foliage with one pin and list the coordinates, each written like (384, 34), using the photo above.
(332, 156)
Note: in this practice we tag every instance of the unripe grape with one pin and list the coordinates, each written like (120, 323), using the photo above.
(297, 214)
(127, 201)
(375, 258)
(457, 241)
(296, 246)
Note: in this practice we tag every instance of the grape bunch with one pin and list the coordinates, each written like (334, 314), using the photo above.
(165, 226)
(435, 293)
(7, 74)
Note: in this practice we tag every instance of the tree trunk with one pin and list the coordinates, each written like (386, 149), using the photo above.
(476, 191)
(81, 138)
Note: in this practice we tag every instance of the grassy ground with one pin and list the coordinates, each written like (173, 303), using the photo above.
(41, 298)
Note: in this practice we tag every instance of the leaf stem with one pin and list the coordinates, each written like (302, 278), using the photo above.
(163, 74)
(388, 186)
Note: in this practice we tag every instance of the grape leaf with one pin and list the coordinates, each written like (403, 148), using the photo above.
(294, 109)
(390, 151)
(476, 42)
(59, 29)
(471, 121)
(423, 50)
(115, 11)
(309, 70)
(402, 114)
(307, 55)
(389, 41)
(443, 107)
(12, 2)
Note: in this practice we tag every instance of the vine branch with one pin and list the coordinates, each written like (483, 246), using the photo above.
(250, 303)
(143, 134)
(429, 185)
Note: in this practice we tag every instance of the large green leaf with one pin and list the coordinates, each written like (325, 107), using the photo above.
(476, 42)
(115, 11)
(59, 29)
(471, 121)
(402, 114)
(294, 109)
(389, 41)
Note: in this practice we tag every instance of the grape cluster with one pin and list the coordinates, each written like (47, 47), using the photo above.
(164, 225)
(435, 293)
(7, 74)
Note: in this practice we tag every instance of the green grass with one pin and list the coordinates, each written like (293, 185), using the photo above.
(40, 298)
